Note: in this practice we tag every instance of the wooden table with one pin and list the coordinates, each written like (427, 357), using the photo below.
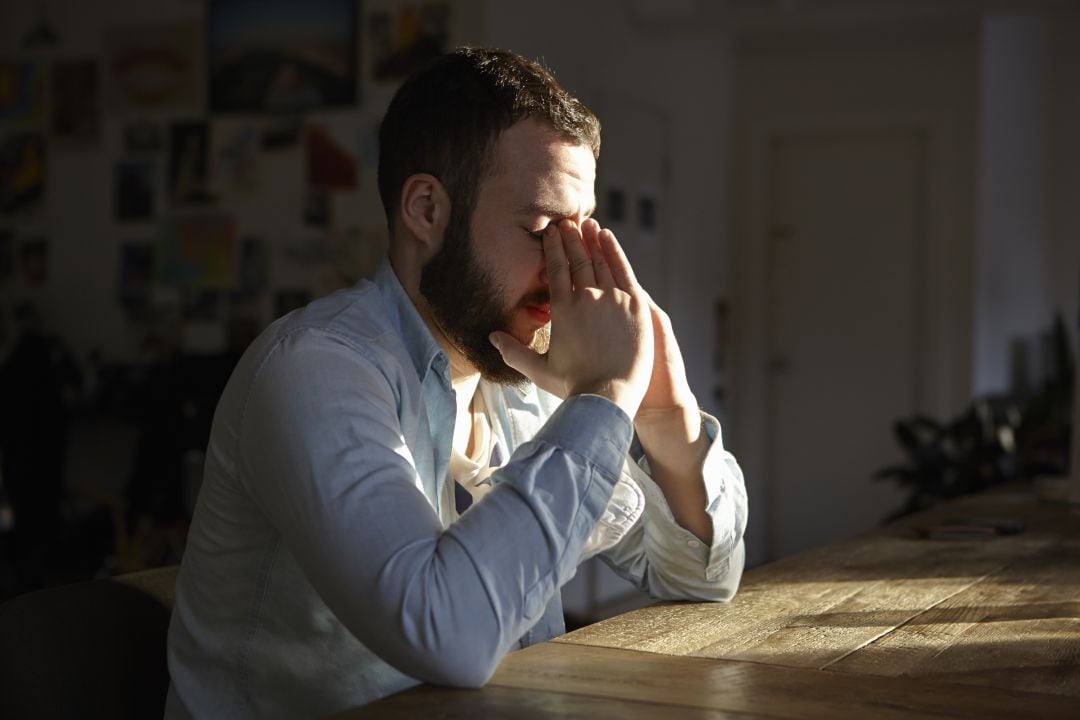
(885, 625)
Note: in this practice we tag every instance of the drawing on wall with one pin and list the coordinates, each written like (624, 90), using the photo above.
(142, 138)
(198, 251)
(404, 38)
(237, 155)
(76, 110)
(22, 93)
(329, 166)
(135, 276)
(22, 171)
(154, 66)
(285, 56)
(133, 190)
(189, 144)
(34, 261)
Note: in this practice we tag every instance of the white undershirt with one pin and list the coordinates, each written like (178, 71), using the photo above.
(471, 470)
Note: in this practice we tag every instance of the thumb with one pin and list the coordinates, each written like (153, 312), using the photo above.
(526, 361)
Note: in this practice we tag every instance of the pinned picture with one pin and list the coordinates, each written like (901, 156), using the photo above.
(280, 133)
(133, 190)
(76, 114)
(135, 276)
(198, 251)
(254, 269)
(22, 94)
(153, 67)
(188, 162)
(404, 38)
(285, 56)
(329, 165)
(22, 171)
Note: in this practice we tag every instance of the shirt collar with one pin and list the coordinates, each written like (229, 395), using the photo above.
(423, 349)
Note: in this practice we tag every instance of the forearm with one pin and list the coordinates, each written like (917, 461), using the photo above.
(675, 445)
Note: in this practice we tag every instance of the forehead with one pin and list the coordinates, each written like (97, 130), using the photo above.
(536, 167)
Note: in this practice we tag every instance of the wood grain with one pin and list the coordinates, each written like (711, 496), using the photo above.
(565, 680)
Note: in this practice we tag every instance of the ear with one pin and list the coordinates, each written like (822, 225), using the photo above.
(425, 211)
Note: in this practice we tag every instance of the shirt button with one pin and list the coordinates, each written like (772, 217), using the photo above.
(693, 544)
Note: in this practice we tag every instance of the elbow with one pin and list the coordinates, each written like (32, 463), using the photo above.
(461, 668)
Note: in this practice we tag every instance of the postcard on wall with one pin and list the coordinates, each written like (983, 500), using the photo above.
(285, 56)
(133, 190)
(402, 37)
(153, 67)
(22, 93)
(198, 251)
(189, 148)
(135, 276)
(329, 165)
(22, 171)
(76, 108)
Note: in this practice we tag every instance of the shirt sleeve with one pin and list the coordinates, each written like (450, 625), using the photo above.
(664, 559)
(323, 455)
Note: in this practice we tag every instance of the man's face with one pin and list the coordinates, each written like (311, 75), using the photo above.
(489, 274)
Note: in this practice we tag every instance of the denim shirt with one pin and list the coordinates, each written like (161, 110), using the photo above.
(325, 567)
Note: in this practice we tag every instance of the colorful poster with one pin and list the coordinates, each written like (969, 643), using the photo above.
(153, 67)
(199, 251)
(329, 165)
(404, 40)
(22, 94)
(22, 171)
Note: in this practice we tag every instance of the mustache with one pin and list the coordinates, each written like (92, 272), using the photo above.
(536, 297)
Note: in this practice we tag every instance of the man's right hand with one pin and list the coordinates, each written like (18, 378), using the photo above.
(601, 327)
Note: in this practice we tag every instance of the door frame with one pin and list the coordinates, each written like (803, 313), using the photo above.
(945, 322)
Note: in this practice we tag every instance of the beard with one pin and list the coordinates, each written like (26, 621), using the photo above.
(466, 302)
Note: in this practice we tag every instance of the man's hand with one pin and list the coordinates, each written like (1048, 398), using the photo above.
(601, 328)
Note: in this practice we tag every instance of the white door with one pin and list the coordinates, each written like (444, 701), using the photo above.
(846, 222)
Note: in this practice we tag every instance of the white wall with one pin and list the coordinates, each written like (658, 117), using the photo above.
(1012, 293)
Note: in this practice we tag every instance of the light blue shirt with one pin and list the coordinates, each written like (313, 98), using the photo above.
(324, 567)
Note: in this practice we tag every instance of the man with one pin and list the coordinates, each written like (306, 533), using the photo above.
(389, 497)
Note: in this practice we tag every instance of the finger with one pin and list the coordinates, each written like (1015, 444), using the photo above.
(526, 361)
(590, 230)
(558, 271)
(581, 269)
(617, 261)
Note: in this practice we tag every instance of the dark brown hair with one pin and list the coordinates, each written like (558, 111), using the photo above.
(444, 120)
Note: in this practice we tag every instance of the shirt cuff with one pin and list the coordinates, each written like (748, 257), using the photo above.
(607, 439)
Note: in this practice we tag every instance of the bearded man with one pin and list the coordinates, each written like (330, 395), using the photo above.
(402, 475)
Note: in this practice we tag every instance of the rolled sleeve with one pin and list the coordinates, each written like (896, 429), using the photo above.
(664, 558)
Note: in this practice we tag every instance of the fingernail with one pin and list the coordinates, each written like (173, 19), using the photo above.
(493, 338)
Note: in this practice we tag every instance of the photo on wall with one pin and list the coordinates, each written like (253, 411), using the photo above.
(280, 57)
(404, 36)
(22, 94)
(22, 171)
(189, 150)
(135, 276)
(133, 190)
(153, 67)
(198, 251)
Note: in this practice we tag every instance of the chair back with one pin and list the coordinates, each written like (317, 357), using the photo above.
(94, 649)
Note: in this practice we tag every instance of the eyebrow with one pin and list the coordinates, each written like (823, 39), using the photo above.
(539, 208)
